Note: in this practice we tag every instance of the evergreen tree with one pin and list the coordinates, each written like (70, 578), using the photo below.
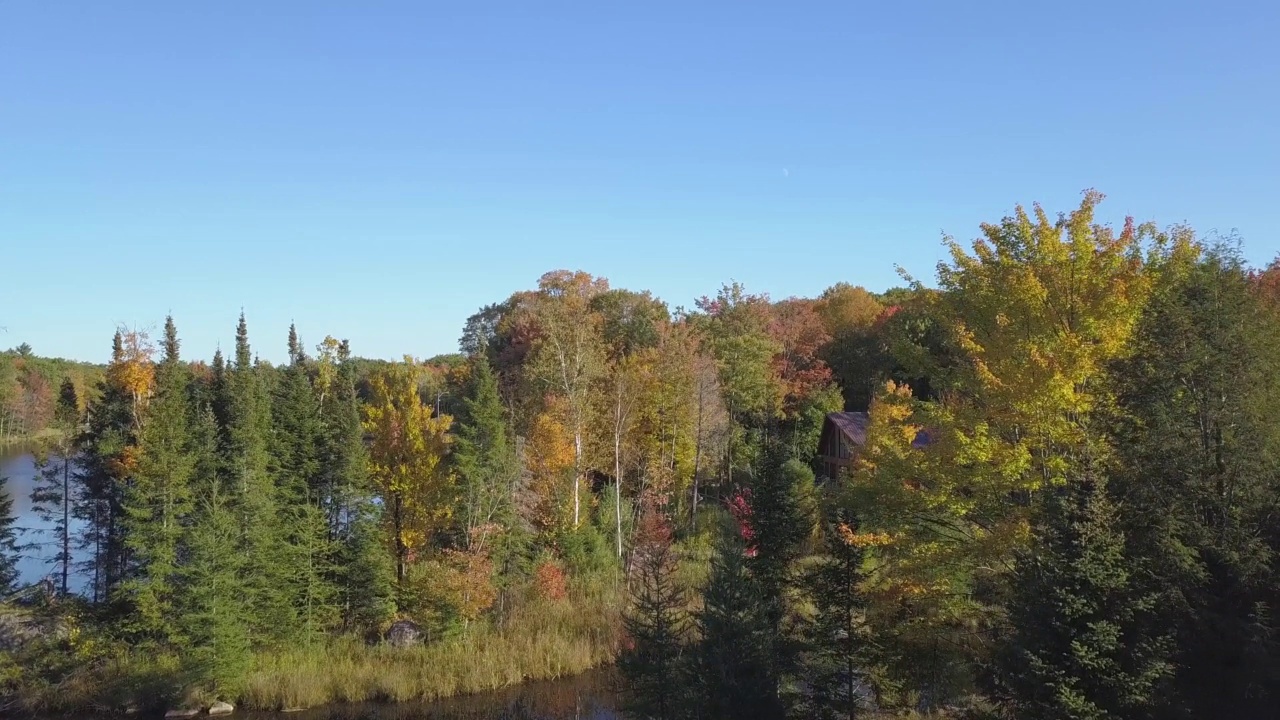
(1080, 645)
(53, 495)
(210, 586)
(484, 455)
(296, 439)
(652, 664)
(779, 526)
(734, 668)
(363, 574)
(256, 500)
(157, 503)
(835, 654)
(9, 548)
(1201, 450)
(106, 464)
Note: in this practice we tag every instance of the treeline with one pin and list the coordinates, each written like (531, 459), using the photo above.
(1064, 507)
(222, 513)
(28, 391)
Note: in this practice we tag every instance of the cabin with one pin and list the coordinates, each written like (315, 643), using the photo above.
(842, 434)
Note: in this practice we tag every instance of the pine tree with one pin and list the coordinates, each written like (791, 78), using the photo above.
(245, 461)
(779, 526)
(734, 668)
(9, 548)
(1201, 449)
(835, 654)
(1080, 645)
(53, 496)
(296, 446)
(484, 455)
(653, 664)
(157, 503)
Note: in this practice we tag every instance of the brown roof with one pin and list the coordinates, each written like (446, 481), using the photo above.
(853, 425)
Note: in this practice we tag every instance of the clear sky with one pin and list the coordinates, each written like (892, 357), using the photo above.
(378, 170)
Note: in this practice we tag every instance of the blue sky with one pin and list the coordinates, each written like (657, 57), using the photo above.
(380, 170)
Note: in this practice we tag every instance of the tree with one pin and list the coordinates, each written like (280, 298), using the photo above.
(734, 667)
(567, 357)
(253, 492)
(1197, 437)
(157, 503)
(484, 457)
(835, 657)
(53, 496)
(406, 454)
(1079, 645)
(653, 663)
(296, 450)
(9, 548)
(1033, 317)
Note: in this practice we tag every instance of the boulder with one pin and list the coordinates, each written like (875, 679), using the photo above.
(182, 713)
(21, 626)
(404, 633)
(221, 708)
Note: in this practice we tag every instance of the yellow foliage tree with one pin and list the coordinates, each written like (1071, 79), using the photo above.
(550, 461)
(405, 460)
(1032, 315)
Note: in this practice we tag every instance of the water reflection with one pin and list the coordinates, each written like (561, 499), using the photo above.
(590, 696)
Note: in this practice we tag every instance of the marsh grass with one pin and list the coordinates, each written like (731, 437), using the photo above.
(542, 640)
(539, 640)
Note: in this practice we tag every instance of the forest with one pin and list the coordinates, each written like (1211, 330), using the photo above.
(1064, 506)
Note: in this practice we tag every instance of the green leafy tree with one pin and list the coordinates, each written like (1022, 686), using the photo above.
(484, 457)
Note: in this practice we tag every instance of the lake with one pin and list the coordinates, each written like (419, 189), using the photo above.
(18, 464)
(590, 696)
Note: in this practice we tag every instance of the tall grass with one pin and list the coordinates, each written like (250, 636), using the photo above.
(542, 640)
(539, 640)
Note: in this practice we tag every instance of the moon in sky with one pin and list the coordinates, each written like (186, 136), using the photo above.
(786, 172)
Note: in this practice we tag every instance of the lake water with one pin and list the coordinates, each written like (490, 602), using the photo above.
(584, 697)
(18, 464)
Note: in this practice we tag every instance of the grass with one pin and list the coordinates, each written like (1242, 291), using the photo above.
(542, 640)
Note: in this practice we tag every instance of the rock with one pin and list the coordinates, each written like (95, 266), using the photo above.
(404, 633)
(292, 709)
(221, 708)
(21, 626)
(182, 713)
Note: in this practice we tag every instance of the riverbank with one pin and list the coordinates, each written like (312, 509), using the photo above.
(542, 640)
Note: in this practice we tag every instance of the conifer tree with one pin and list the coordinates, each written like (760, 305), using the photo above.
(247, 431)
(9, 548)
(210, 585)
(484, 455)
(53, 496)
(295, 458)
(1079, 645)
(653, 664)
(734, 668)
(363, 572)
(157, 503)
(835, 655)
(1201, 450)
